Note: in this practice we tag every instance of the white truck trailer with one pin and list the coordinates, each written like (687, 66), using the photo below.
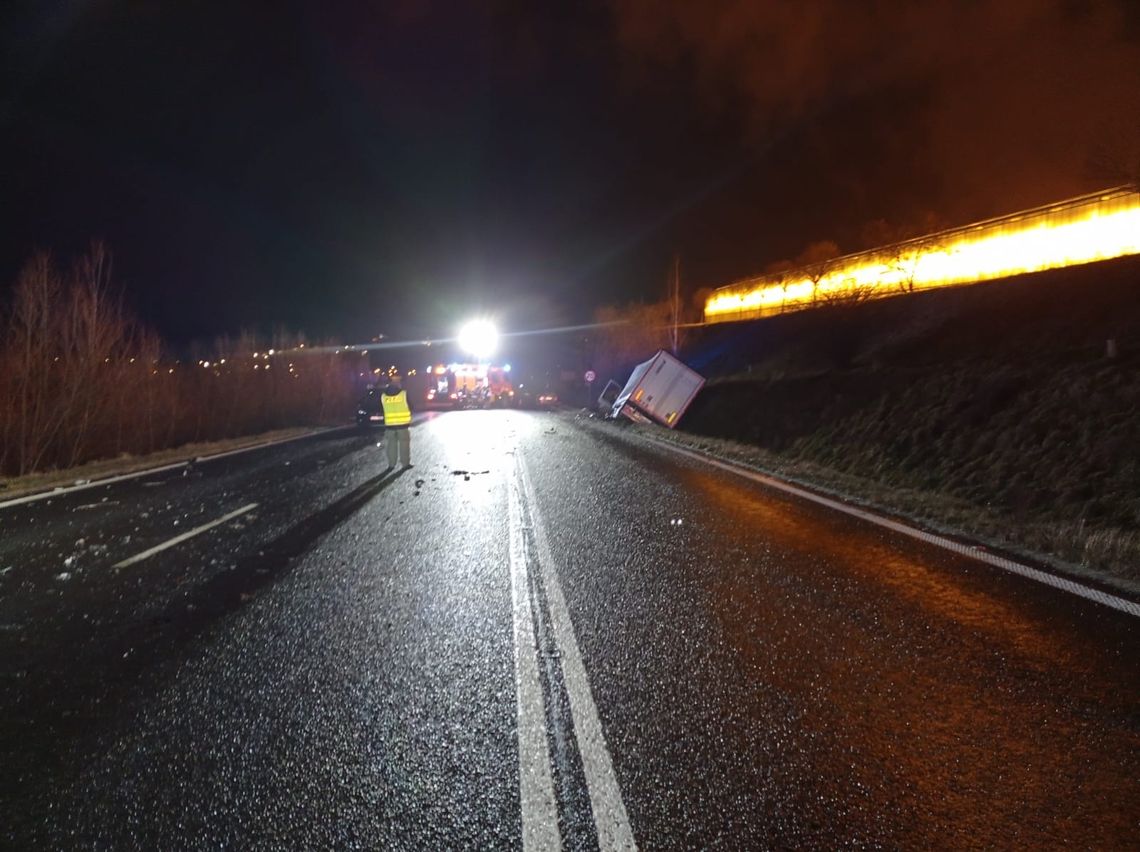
(659, 390)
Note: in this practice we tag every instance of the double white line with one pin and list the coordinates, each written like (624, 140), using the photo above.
(536, 788)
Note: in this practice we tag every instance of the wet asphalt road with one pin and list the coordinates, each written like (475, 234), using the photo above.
(351, 663)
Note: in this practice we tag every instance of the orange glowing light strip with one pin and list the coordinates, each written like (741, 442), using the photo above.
(1082, 230)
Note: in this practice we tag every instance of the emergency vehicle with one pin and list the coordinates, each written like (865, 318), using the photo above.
(464, 385)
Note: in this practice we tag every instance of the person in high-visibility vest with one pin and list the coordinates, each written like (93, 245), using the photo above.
(397, 422)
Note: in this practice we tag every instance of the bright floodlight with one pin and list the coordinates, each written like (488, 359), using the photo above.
(479, 338)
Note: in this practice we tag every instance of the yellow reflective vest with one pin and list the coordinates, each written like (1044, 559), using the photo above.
(396, 410)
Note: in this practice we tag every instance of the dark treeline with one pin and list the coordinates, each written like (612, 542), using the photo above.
(81, 380)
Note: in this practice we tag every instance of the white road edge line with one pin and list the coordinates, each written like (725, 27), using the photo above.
(146, 554)
(263, 445)
(1062, 583)
(136, 474)
(95, 483)
(536, 786)
(610, 817)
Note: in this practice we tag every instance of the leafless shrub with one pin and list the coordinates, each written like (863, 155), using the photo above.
(819, 261)
(849, 292)
(31, 418)
(80, 380)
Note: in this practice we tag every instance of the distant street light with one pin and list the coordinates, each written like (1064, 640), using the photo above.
(479, 338)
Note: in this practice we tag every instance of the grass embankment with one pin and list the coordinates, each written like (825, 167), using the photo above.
(990, 410)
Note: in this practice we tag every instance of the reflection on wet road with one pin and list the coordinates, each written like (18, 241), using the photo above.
(793, 676)
(545, 617)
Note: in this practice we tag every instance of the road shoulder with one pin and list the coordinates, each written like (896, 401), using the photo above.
(847, 491)
(105, 471)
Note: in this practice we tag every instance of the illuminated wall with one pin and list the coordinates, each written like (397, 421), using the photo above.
(1081, 230)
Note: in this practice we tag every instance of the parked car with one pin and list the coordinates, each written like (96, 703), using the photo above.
(369, 409)
(532, 399)
(441, 399)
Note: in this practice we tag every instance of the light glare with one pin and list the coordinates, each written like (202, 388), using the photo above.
(1083, 230)
(479, 338)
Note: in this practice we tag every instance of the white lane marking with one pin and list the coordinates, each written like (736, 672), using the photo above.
(146, 554)
(1062, 583)
(610, 818)
(536, 787)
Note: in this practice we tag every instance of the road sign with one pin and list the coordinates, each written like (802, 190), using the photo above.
(590, 376)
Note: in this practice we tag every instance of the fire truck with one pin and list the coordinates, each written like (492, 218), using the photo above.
(470, 386)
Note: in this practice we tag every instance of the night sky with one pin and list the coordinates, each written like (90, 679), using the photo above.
(348, 169)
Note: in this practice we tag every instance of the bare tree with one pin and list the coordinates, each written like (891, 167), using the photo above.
(904, 246)
(778, 274)
(81, 380)
(818, 260)
(96, 340)
(849, 292)
(904, 259)
(31, 347)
